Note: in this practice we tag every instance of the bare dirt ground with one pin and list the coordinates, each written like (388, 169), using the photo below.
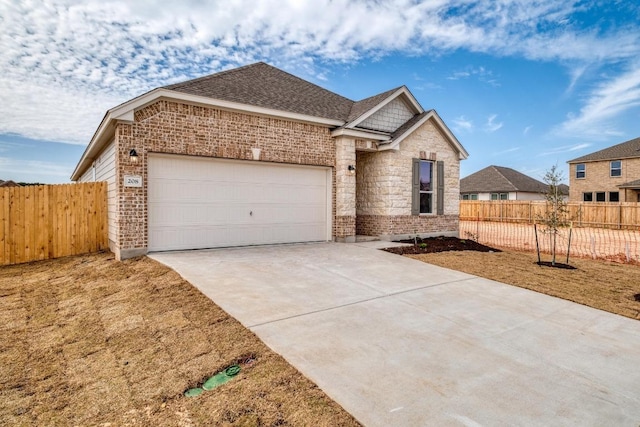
(87, 340)
(608, 286)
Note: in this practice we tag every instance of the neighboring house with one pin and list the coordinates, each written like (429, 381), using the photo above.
(8, 183)
(609, 175)
(255, 155)
(500, 183)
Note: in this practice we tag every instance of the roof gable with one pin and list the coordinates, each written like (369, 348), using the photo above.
(502, 179)
(418, 120)
(625, 150)
(363, 110)
(389, 118)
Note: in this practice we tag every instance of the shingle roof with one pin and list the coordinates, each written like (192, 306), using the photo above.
(502, 179)
(632, 184)
(408, 124)
(9, 183)
(360, 107)
(623, 150)
(263, 85)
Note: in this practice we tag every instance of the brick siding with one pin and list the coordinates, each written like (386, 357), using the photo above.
(344, 226)
(177, 128)
(598, 179)
(382, 225)
(377, 203)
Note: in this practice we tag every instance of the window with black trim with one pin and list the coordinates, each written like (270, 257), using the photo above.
(600, 196)
(616, 168)
(499, 196)
(614, 196)
(581, 171)
(426, 187)
(587, 197)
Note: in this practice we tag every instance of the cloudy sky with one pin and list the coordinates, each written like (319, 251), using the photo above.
(522, 83)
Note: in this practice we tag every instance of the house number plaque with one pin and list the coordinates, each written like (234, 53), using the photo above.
(133, 181)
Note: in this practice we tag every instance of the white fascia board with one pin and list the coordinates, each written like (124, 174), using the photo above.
(411, 100)
(395, 144)
(102, 136)
(356, 133)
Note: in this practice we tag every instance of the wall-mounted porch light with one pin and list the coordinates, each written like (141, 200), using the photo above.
(351, 169)
(133, 156)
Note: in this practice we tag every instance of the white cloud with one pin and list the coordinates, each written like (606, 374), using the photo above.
(481, 73)
(608, 100)
(462, 124)
(565, 149)
(526, 130)
(459, 75)
(507, 151)
(491, 126)
(575, 74)
(64, 62)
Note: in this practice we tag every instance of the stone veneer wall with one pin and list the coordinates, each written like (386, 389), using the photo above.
(345, 190)
(176, 128)
(383, 193)
(598, 179)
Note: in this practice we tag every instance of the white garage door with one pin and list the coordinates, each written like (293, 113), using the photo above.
(197, 202)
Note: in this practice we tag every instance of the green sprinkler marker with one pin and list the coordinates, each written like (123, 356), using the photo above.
(215, 381)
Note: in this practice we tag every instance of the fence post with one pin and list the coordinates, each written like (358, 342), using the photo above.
(620, 216)
(535, 230)
(569, 245)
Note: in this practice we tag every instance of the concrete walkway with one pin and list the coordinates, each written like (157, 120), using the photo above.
(399, 342)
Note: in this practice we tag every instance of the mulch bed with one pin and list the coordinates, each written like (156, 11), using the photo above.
(438, 244)
(556, 265)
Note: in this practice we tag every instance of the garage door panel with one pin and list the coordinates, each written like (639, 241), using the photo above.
(204, 203)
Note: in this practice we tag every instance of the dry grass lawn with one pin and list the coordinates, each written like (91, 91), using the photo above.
(87, 340)
(600, 284)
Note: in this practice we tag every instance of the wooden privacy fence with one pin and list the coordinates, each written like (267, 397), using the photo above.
(605, 215)
(50, 221)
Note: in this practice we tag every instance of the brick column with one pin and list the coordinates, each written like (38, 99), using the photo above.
(345, 221)
(131, 216)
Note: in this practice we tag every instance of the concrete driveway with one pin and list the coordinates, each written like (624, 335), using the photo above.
(403, 343)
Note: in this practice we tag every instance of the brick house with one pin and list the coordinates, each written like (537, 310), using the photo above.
(501, 183)
(609, 175)
(255, 155)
